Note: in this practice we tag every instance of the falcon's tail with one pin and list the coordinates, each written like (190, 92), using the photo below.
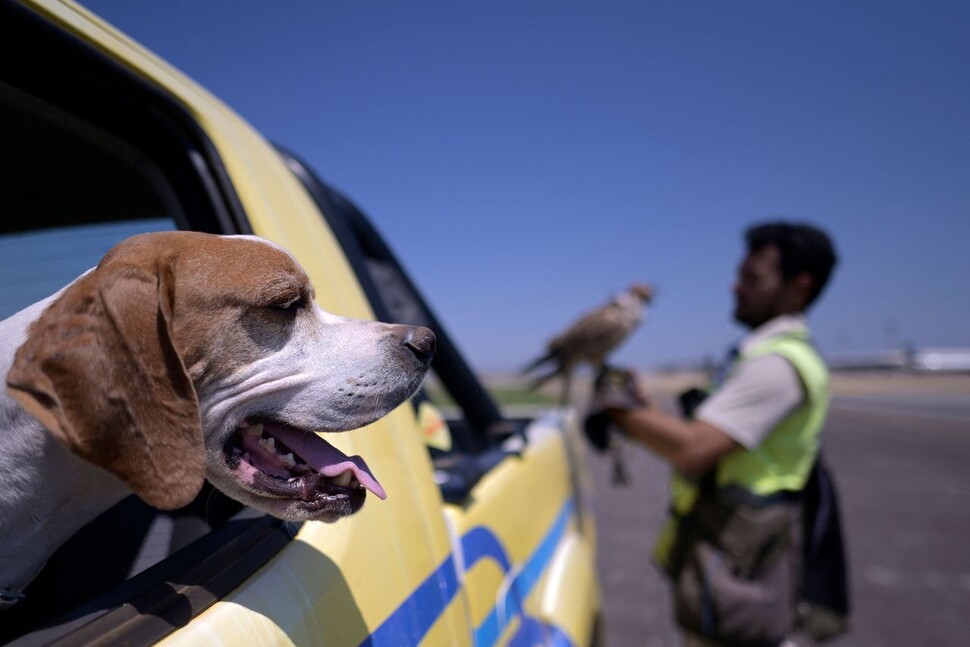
(556, 370)
(539, 380)
(536, 363)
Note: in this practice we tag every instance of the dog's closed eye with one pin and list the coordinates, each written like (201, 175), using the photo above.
(284, 296)
(291, 305)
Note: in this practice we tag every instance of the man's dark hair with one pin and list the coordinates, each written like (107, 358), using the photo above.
(802, 247)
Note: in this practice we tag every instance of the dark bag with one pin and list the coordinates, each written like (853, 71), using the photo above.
(735, 565)
(823, 608)
(736, 572)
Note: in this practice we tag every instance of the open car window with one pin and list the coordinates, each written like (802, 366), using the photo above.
(38, 263)
(72, 190)
(90, 154)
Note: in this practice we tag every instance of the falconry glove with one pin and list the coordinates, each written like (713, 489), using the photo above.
(614, 388)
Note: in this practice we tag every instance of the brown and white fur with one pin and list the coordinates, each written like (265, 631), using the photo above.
(175, 360)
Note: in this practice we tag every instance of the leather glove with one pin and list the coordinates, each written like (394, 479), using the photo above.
(614, 388)
(689, 400)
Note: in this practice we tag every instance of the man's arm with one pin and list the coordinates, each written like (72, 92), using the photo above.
(692, 446)
(739, 414)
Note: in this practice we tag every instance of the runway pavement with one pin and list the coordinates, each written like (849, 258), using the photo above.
(900, 451)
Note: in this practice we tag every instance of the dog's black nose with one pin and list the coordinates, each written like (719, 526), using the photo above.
(421, 342)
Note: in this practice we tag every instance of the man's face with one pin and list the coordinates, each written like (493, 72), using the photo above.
(760, 293)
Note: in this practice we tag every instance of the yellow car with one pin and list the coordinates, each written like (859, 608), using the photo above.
(486, 536)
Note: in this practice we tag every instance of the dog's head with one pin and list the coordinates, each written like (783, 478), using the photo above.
(184, 356)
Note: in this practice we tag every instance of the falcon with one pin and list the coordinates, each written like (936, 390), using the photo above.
(592, 337)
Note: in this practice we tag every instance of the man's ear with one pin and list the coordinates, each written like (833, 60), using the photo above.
(99, 370)
(800, 289)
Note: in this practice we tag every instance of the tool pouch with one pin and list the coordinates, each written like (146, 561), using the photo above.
(735, 571)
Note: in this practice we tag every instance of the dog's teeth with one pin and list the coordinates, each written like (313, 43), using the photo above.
(269, 444)
(254, 430)
(344, 479)
(288, 460)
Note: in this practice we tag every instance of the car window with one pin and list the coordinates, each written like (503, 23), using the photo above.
(35, 264)
(71, 190)
(90, 155)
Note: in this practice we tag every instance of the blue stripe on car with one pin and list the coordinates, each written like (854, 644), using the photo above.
(413, 619)
(510, 605)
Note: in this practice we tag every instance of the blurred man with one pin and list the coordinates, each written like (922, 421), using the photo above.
(743, 456)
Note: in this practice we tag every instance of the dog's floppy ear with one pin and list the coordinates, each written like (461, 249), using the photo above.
(100, 371)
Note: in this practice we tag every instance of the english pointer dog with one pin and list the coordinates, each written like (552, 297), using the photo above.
(184, 356)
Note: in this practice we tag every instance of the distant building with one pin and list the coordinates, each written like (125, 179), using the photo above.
(917, 359)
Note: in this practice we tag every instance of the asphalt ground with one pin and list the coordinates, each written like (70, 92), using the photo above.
(899, 447)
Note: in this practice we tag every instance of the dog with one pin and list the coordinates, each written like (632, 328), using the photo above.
(184, 356)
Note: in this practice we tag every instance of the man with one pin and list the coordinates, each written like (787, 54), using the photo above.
(732, 545)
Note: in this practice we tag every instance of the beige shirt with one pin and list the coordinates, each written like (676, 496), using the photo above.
(760, 392)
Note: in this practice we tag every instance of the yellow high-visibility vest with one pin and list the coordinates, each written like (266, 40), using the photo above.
(783, 460)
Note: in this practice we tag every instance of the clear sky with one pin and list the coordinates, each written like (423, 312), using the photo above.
(527, 159)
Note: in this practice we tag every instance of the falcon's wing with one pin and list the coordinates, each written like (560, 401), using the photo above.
(596, 332)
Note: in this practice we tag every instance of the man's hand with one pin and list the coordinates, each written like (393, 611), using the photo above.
(615, 389)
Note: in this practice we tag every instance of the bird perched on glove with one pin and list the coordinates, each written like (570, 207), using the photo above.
(592, 337)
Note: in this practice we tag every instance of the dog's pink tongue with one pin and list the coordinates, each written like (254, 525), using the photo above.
(327, 459)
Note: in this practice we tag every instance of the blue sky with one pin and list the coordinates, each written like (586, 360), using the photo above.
(526, 160)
